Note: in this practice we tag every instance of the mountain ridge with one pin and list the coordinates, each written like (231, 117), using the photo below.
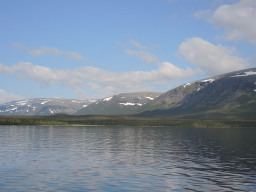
(121, 104)
(43, 106)
(228, 96)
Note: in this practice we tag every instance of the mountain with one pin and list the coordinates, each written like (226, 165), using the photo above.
(43, 106)
(232, 95)
(228, 96)
(122, 104)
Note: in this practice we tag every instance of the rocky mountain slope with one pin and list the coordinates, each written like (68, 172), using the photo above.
(48, 106)
(232, 95)
(125, 103)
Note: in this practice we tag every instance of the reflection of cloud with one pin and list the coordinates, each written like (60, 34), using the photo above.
(211, 58)
(99, 80)
(48, 51)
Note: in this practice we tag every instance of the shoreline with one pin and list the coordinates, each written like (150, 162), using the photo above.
(125, 121)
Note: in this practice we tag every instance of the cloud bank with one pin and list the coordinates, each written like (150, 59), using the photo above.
(100, 81)
(212, 59)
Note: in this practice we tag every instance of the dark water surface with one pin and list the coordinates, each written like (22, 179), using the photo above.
(47, 158)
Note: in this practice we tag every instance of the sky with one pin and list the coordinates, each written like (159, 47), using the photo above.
(91, 49)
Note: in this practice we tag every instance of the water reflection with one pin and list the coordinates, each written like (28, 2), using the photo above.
(50, 158)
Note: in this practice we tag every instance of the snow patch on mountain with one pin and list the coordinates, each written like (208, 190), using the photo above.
(21, 103)
(75, 101)
(12, 109)
(44, 102)
(131, 104)
(107, 98)
(150, 98)
(187, 84)
(207, 80)
(245, 74)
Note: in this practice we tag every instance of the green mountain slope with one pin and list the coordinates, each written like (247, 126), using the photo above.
(232, 95)
(122, 104)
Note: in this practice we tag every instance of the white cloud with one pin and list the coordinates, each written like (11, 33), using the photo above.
(5, 69)
(41, 74)
(100, 81)
(49, 51)
(213, 59)
(144, 56)
(7, 97)
(45, 51)
(167, 70)
(238, 20)
(138, 45)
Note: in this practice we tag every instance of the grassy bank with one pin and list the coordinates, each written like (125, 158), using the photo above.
(122, 120)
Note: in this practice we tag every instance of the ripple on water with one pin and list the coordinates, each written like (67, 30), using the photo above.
(50, 158)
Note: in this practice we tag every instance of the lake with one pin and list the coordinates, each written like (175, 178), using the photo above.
(66, 158)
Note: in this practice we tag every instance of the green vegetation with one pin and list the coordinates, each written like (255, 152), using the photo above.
(122, 120)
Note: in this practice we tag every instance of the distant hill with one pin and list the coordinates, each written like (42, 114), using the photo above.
(46, 106)
(232, 95)
(122, 104)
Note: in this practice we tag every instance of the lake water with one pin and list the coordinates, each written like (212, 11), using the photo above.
(49, 158)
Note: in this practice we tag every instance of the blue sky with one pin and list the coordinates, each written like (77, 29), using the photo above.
(94, 49)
